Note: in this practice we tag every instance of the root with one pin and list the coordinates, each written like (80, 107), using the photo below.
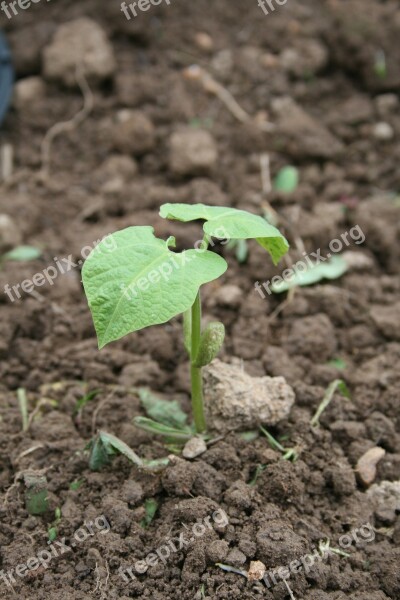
(65, 126)
(210, 85)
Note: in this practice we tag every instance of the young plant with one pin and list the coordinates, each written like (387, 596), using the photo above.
(142, 282)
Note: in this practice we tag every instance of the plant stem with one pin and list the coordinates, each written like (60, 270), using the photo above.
(195, 372)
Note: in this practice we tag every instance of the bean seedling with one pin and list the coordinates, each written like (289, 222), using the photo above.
(142, 282)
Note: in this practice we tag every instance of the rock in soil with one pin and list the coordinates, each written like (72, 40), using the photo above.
(194, 447)
(134, 133)
(79, 43)
(192, 152)
(235, 400)
(367, 464)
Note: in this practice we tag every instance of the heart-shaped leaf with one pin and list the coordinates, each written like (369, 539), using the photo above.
(137, 281)
(230, 223)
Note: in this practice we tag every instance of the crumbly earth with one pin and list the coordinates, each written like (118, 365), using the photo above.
(326, 73)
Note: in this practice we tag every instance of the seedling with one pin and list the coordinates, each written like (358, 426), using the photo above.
(53, 530)
(337, 384)
(287, 453)
(150, 507)
(142, 282)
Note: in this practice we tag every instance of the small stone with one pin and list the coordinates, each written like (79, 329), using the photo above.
(385, 495)
(192, 152)
(217, 551)
(27, 91)
(134, 133)
(229, 295)
(383, 131)
(366, 465)
(256, 571)
(194, 447)
(81, 42)
(204, 41)
(10, 236)
(236, 558)
(234, 400)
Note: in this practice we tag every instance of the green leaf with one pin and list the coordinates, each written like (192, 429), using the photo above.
(139, 282)
(52, 533)
(115, 445)
(211, 342)
(36, 494)
(23, 253)
(231, 224)
(167, 412)
(172, 433)
(287, 180)
(150, 506)
(332, 269)
(81, 402)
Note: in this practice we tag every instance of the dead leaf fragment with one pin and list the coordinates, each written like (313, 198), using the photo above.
(256, 571)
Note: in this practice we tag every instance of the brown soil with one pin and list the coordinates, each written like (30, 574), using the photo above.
(349, 176)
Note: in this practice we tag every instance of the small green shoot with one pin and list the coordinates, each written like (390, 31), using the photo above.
(287, 180)
(287, 453)
(334, 268)
(150, 506)
(338, 363)
(81, 402)
(23, 408)
(240, 248)
(203, 591)
(105, 446)
(22, 254)
(258, 471)
(337, 384)
(380, 65)
(36, 495)
(138, 281)
(75, 485)
(53, 530)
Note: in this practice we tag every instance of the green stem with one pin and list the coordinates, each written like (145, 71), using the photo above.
(195, 372)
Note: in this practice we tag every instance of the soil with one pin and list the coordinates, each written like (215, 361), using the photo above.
(313, 69)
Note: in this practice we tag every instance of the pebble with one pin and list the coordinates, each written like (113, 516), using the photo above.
(194, 447)
(192, 152)
(367, 463)
(383, 131)
(10, 235)
(204, 41)
(27, 91)
(79, 42)
(133, 133)
(228, 295)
